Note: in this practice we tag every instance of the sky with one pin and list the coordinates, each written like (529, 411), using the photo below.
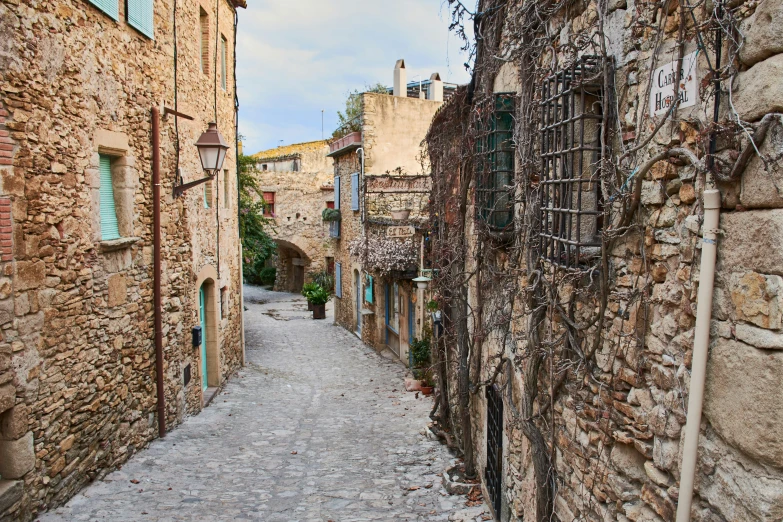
(298, 57)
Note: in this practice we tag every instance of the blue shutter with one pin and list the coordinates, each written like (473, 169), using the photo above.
(140, 16)
(368, 289)
(110, 7)
(337, 192)
(355, 191)
(109, 228)
(338, 280)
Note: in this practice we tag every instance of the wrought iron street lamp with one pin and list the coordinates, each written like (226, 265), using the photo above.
(212, 149)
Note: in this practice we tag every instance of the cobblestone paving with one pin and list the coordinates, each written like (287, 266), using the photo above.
(316, 427)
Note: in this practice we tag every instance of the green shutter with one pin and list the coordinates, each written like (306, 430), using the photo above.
(110, 7)
(140, 16)
(109, 228)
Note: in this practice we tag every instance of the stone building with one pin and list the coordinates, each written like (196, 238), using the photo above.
(297, 184)
(382, 185)
(577, 201)
(87, 87)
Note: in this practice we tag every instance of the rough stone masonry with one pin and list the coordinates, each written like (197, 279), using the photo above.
(77, 361)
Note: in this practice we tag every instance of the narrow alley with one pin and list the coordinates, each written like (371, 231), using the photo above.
(316, 426)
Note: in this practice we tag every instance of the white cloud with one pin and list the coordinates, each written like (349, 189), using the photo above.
(297, 57)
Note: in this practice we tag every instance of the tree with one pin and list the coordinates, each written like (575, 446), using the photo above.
(349, 120)
(257, 245)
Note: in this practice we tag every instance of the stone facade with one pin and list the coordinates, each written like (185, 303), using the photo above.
(615, 423)
(77, 353)
(392, 130)
(300, 177)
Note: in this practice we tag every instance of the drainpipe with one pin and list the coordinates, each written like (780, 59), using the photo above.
(156, 271)
(709, 249)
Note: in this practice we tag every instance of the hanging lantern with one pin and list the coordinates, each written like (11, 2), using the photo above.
(212, 149)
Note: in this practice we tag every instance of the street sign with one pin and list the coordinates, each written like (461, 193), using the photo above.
(406, 231)
(662, 90)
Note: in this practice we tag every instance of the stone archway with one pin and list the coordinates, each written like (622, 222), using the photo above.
(292, 264)
(208, 315)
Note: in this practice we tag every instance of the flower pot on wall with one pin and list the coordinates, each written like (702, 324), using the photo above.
(401, 214)
(319, 311)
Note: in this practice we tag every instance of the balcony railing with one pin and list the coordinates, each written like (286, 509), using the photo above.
(353, 139)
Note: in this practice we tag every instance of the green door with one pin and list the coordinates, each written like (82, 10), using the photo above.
(202, 316)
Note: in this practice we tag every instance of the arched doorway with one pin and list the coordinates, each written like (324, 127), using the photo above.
(208, 317)
(357, 292)
(292, 264)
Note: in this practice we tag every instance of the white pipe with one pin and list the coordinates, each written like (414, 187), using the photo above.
(709, 250)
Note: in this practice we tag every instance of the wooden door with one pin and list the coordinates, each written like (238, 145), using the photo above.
(202, 315)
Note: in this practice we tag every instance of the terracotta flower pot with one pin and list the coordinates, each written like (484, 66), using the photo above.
(427, 390)
(319, 311)
(400, 214)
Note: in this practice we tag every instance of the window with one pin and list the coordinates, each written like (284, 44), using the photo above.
(368, 288)
(110, 7)
(494, 470)
(140, 16)
(208, 193)
(226, 189)
(330, 204)
(495, 163)
(264, 166)
(108, 211)
(269, 204)
(204, 29)
(223, 303)
(338, 280)
(571, 201)
(334, 226)
(355, 191)
(223, 62)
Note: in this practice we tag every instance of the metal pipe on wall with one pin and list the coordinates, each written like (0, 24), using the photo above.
(156, 291)
(709, 251)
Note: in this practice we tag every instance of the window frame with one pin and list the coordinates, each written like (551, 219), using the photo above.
(495, 162)
(269, 208)
(106, 191)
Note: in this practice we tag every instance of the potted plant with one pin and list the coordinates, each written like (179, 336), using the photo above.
(307, 290)
(319, 297)
(401, 213)
(428, 382)
(331, 214)
(419, 358)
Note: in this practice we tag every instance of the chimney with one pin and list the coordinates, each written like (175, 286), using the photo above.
(400, 79)
(435, 88)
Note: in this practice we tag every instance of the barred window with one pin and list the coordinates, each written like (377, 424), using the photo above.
(495, 163)
(571, 200)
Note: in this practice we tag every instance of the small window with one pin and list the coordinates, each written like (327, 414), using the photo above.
(110, 7)
(223, 46)
(108, 211)
(571, 200)
(495, 163)
(269, 204)
(204, 33)
(140, 16)
(223, 303)
(208, 193)
(264, 167)
(226, 189)
(330, 204)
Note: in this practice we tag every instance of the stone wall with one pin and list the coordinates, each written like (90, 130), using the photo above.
(77, 357)
(618, 427)
(301, 234)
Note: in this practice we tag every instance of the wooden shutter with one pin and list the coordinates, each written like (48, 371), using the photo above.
(110, 7)
(269, 208)
(337, 192)
(338, 280)
(355, 191)
(140, 14)
(109, 227)
(223, 66)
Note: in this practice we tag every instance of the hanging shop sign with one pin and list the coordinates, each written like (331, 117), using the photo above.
(663, 80)
(406, 231)
(403, 184)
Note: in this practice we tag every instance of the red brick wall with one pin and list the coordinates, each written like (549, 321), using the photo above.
(6, 144)
(6, 247)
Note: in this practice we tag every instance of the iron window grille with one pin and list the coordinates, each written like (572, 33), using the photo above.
(495, 162)
(494, 470)
(571, 200)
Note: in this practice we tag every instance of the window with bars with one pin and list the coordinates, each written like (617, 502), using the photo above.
(204, 35)
(495, 162)
(571, 201)
(269, 204)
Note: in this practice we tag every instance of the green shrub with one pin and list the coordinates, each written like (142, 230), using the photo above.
(308, 289)
(266, 276)
(320, 296)
(325, 280)
(420, 352)
(331, 214)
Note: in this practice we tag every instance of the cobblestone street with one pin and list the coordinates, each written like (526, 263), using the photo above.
(316, 427)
